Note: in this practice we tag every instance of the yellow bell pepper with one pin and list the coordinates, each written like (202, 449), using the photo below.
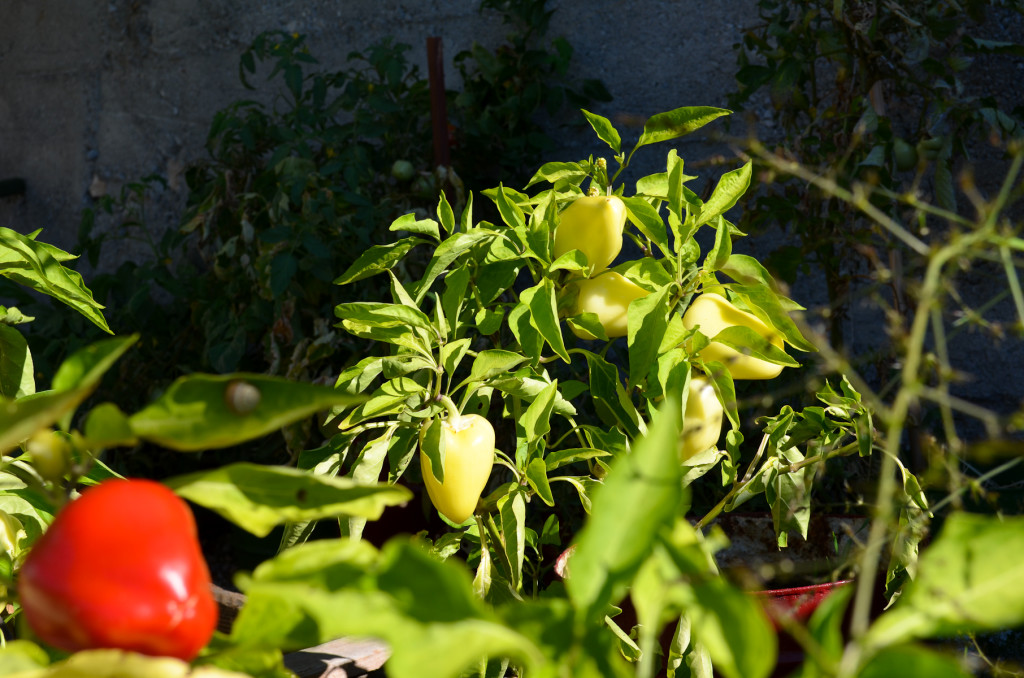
(702, 420)
(713, 313)
(608, 296)
(468, 457)
(593, 225)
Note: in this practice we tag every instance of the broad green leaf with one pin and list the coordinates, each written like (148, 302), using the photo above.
(749, 342)
(258, 498)
(17, 374)
(378, 259)
(536, 422)
(543, 305)
(512, 510)
(610, 396)
(34, 264)
(970, 579)
(729, 190)
(409, 222)
(423, 607)
(366, 470)
(722, 249)
(433, 446)
(537, 476)
(725, 389)
(492, 362)
(19, 657)
(196, 412)
(552, 172)
(510, 212)
(639, 497)
(445, 214)
(735, 630)
(376, 314)
(85, 367)
(530, 340)
(770, 308)
(646, 218)
(529, 388)
(604, 129)
(913, 660)
(789, 495)
(560, 458)
(677, 123)
(647, 320)
(107, 426)
(448, 251)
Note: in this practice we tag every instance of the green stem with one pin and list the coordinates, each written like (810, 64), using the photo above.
(449, 404)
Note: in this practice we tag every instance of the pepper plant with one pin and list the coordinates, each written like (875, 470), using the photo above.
(482, 333)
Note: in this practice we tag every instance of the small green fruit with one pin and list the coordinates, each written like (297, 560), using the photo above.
(403, 170)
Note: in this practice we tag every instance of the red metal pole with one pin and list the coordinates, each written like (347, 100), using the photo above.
(438, 104)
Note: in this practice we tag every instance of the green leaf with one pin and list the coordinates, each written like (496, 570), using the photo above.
(445, 214)
(560, 458)
(913, 660)
(749, 342)
(536, 421)
(510, 212)
(767, 305)
(677, 123)
(423, 607)
(722, 249)
(447, 252)
(646, 218)
(85, 367)
(433, 446)
(197, 413)
(512, 509)
(789, 495)
(258, 498)
(537, 477)
(376, 314)
(610, 396)
(604, 129)
(735, 630)
(76, 378)
(647, 320)
(970, 579)
(640, 496)
(542, 302)
(17, 374)
(38, 266)
(529, 388)
(366, 470)
(378, 259)
(107, 426)
(552, 172)
(493, 362)
(729, 190)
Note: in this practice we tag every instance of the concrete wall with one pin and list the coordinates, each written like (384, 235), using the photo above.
(94, 93)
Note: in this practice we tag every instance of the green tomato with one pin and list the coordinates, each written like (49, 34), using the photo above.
(702, 420)
(713, 313)
(402, 170)
(608, 296)
(593, 225)
(468, 458)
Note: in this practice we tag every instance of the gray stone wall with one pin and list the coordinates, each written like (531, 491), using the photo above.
(93, 94)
